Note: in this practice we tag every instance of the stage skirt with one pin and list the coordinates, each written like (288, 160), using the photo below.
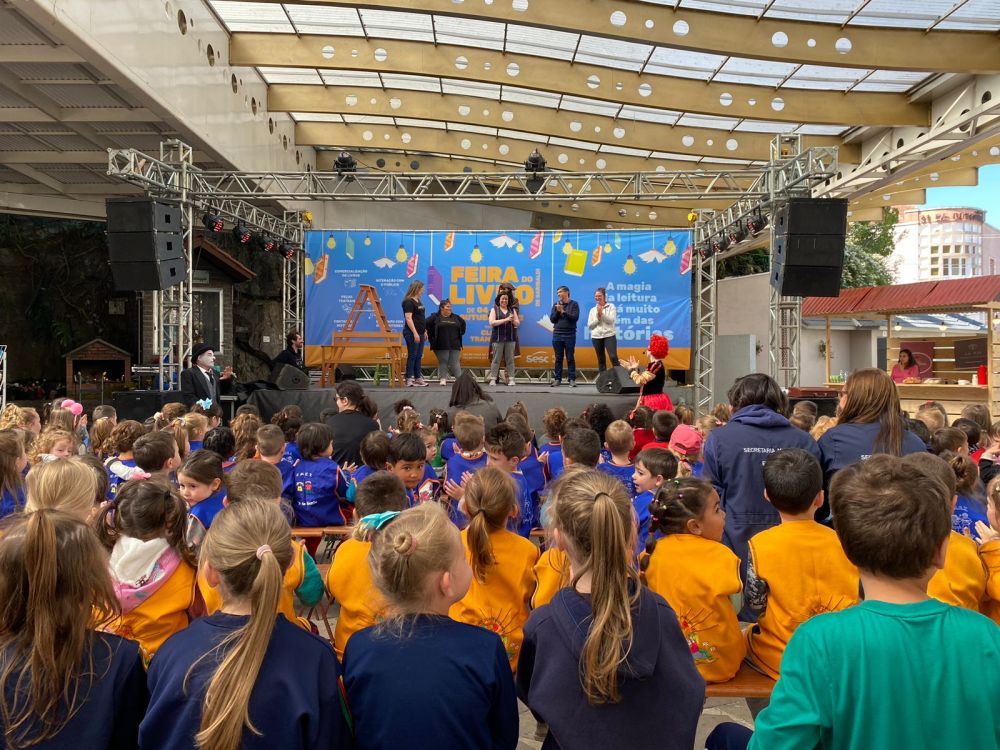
(657, 401)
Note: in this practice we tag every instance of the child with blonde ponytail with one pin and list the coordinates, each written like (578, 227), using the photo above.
(606, 664)
(418, 679)
(503, 576)
(245, 677)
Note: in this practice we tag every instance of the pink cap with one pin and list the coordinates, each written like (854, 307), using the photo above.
(686, 440)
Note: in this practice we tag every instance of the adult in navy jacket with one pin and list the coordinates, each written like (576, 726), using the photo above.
(870, 421)
(735, 456)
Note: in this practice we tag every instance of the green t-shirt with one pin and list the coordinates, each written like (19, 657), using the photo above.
(880, 676)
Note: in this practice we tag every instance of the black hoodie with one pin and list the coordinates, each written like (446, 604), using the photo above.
(661, 692)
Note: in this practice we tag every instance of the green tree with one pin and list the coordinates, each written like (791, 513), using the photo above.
(869, 246)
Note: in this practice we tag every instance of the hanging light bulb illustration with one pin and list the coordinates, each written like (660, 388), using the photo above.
(670, 248)
(477, 254)
(368, 240)
(401, 253)
(629, 265)
(331, 243)
(607, 247)
(519, 247)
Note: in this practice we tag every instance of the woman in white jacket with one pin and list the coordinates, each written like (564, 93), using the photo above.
(603, 332)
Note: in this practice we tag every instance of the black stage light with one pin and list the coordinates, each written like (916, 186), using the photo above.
(720, 243)
(736, 233)
(212, 222)
(756, 223)
(535, 163)
(242, 234)
(287, 251)
(345, 163)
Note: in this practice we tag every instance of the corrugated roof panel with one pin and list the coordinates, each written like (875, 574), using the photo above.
(80, 97)
(898, 297)
(977, 290)
(848, 300)
(321, 19)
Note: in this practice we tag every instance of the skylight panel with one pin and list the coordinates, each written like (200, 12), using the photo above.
(368, 119)
(607, 148)
(407, 122)
(914, 14)
(324, 19)
(762, 126)
(316, 117)
(252, 17)
(469, 32)
(612, 53)
(736, 7)
(411, 82)
(351, 78)
(707, 121)
(290, 75)
(829, 11)
(683, 63)
(531, 40)
(646, 114)
(466, 128)
(758, 72)
(470, 88)
(517, 95)
(572, 143)
(590, 106)
(387, 24)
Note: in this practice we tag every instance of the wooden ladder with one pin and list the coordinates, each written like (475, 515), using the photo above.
(387, 344)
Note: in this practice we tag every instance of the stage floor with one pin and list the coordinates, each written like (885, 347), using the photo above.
(535, 396)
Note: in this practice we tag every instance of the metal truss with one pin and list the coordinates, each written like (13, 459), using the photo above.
(791, 171)
(293, 285)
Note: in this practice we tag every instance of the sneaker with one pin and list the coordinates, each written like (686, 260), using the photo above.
(491, 381)
(510, 381)
(409, 382)
(420, 383)
(572, 384)
(443, 382)
(554, 383)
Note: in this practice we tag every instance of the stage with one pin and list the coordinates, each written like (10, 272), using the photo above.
(536, 397)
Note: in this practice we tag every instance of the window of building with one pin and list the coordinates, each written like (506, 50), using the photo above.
(934, 272)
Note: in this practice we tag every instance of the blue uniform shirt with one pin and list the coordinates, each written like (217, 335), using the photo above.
(319, 487)
(622, 473)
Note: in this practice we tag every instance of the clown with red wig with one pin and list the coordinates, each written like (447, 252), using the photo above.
(651, 379)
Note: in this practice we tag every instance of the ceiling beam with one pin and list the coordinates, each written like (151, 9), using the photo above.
(38, 53)
(430, 141)
(28, 171)
(64, 207)
(594, 81)
(423, 105)
(728, 33)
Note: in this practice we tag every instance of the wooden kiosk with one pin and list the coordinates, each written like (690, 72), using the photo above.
(950, 368)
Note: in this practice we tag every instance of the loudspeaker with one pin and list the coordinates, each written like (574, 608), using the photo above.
(141, 405)
(145, 244)
(344, 372)
(290, 378)
(616, 380)
(142, 215)
(808, 256)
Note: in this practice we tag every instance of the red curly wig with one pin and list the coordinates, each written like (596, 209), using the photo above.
(658, 346)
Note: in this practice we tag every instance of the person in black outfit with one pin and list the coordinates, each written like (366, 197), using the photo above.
(565, 313)
(444, 332)
(292, 354)
(414, 334)
(200, 381)
(354, 420)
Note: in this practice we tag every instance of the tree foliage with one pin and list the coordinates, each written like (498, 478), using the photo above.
(869, 247)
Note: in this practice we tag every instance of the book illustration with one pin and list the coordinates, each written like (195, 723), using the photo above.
(503, 240)
(595, 257)
(618, 241)
(385, 261)
(321, 266)
(650, 255)
(435, 285)
(576, 260)
(686, 260)
(545, 323)
(556, 236)
(349, 247)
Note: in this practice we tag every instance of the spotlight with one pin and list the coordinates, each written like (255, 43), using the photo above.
(736, 233)
(705, 249)
(720, 243)
(267, 242)
(212, 222)
(756, 223)
(286, 251)
(242, 234)
(345, 163)
(535, 163)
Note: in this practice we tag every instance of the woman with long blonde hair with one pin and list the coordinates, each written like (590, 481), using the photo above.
(606, 664)
(414, 333)
(245, 677)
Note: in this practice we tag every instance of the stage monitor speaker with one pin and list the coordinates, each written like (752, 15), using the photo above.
(809, 236)
(141, 405)
(344, 372)
(142, 215)
(290, 378)
(616, 380)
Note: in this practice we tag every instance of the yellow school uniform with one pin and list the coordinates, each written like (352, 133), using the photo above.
(962, 580)
(501, 604)
(990, 555)
(697, 576)
(807, 573)
(552, 574)
(286, 604)
(164, 613)
(349, 582)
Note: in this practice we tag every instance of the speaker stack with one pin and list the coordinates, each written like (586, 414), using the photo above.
(145, 244)
(809, 235)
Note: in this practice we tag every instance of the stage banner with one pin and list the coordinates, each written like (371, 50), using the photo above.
(647, 275)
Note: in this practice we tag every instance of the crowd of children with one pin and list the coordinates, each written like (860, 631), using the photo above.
(156, 590)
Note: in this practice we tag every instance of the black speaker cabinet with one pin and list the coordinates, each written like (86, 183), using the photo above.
(290, 378)
(616, 380)
(808, 256)
(142, 215)
(141, 405)
(148, 275)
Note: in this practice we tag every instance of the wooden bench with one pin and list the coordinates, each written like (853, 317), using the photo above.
(330, 538)
(748, 683)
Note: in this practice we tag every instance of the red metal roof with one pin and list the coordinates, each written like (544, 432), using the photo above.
(954, 295)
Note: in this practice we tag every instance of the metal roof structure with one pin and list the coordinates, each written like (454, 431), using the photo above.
(955, 295)
(907, 90)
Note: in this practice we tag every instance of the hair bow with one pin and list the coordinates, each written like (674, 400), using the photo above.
(376, 521)
(205, 403)
(73, 406)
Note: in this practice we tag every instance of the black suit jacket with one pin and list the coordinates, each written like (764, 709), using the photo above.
(194, 386)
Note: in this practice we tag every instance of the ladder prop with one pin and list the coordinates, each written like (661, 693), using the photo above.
(363, 347)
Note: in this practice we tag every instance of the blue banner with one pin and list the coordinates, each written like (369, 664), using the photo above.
(646, 274)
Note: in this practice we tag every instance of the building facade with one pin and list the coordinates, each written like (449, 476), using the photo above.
(941, 243)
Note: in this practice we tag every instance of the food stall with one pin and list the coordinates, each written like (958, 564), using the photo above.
(950, 366)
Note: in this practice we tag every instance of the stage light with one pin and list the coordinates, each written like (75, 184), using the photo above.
(212, 223)
(692, 217)
(720, 243)
(345, 163)
(287, 251)
(736, 233)
(307, 218)
(267, 242)
(535, 163)
(242, 234)
(756, 223)
(705, 249)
